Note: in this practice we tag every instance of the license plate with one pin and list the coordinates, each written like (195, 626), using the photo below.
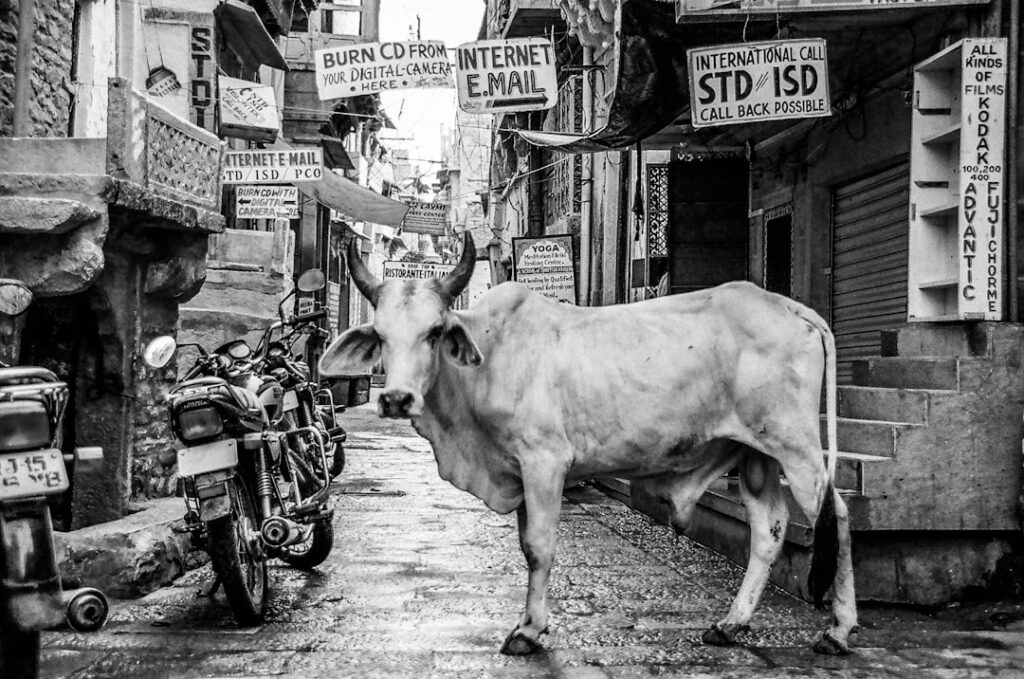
(208, 457)
(290, 401)
(40, 472)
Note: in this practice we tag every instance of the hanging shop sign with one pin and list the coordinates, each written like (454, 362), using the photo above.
(982, 152)
(428, 218)
(273, 167)
(697, 9)
(201, 72)
(758, 81)
(366, 68)
(545, 264)
(422, 271)
(247, 110)
(502, 76)
(267, 202)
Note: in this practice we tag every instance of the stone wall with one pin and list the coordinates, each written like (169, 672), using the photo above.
(50, 102)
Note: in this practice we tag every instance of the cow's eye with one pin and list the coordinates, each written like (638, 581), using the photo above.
(433, 335)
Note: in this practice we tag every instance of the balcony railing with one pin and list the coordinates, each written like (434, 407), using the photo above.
(160, 151)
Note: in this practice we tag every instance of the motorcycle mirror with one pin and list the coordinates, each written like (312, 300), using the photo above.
(311, 280)
(14, 297)
(158, 352)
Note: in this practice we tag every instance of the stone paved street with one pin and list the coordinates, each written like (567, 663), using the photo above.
(425, 582)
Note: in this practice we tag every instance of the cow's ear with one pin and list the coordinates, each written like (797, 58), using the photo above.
(355, 351)
(458, 346)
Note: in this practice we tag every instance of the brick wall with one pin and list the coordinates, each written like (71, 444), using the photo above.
(50, 103)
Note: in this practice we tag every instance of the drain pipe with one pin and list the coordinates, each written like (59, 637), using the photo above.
(1013, 156)
(23, 67)
(587, 183)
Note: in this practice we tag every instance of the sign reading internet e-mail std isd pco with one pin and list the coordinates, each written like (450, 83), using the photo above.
(758, 81)
(502, 76)
(266, 202)
(273, 167)
(365, 68)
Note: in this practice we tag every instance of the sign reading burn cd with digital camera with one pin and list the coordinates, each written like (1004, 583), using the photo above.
(501, 76)
(365, 68)
(759, 81)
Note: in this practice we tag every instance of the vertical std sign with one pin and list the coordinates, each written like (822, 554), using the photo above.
(982, 145)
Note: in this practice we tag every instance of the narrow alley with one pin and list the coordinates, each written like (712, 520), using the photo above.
(424, 582)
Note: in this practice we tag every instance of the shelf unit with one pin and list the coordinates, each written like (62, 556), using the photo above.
(948, 269)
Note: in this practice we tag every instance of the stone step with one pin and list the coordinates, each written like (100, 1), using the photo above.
(967, 339)
(884, 403)
(866, 437)
(850, 470)
(906, 373)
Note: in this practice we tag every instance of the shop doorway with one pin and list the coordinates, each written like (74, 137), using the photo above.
(778, 251)
(708, 227)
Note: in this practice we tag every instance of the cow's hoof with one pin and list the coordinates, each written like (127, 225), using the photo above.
(518, 644)
(829, 645)
(720, 635)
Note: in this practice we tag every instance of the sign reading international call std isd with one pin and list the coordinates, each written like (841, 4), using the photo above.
(758, 81)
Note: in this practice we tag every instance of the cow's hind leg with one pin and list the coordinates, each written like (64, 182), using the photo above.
(538, 532)
(824, 505)
(768, 516)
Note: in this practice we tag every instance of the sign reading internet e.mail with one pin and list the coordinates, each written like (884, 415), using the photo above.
(758, 81)
(500, 76)
(267, 202)
(365, 68)
(273, 167)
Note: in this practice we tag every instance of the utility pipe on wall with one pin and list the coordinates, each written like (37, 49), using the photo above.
(1013, 157)
(587, 182)
(23, 67)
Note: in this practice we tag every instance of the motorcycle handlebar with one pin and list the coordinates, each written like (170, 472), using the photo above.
(311, 316)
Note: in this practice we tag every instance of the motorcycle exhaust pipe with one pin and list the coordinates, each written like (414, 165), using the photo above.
(87, 609)
(279, 532)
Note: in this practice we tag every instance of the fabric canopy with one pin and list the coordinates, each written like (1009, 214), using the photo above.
(349, 198)
(651, 85)
(246, 35)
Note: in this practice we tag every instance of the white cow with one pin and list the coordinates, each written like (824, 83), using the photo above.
(521, 395)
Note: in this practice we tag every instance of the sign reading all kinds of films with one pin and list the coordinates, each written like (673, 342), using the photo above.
(695, 9)
(501, 76)
(758, 81)
(273, 167)
(267, 202)
(365, 68)
(982, 146)
(247, 110)
(427, 218)
(422, 271)
(545, 264)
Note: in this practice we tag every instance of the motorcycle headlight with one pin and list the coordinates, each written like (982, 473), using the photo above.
(199, 423)
(24, 425)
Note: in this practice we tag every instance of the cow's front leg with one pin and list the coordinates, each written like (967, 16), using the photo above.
(767, 514)
(538, 532)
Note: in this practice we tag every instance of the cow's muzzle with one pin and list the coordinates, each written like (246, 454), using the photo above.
(397, 404)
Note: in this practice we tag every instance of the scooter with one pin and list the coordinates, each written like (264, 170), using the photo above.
(32, 468)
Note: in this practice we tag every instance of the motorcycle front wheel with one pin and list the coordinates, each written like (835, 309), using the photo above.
(312, 551)
(244, 576)
(19, 652)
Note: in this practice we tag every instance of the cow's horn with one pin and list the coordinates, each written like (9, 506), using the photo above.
(456, 280)
(365, 281)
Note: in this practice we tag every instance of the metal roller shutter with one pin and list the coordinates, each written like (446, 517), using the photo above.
(869, 262)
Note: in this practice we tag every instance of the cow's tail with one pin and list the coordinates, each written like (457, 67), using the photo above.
(825, 555)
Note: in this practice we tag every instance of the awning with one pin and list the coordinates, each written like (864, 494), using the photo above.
(349, 198)
(247, 36)
(651, 85)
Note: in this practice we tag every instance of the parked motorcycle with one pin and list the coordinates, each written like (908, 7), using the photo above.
(32, 469)
(249, 495)
(310, 413)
